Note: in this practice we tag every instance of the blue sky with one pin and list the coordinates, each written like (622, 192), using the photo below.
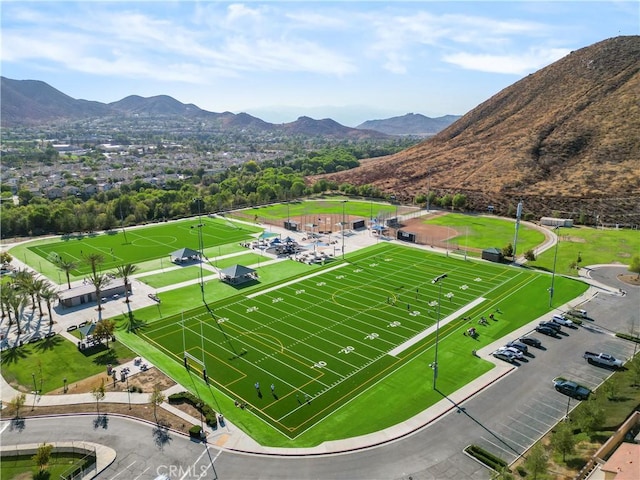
(347, 60)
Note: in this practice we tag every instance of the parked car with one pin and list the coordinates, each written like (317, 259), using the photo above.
(505, 355)
(576, 312)
(603, 359)
(553, 325)
(546, 331)
(572, 389)
(531, 341)
(560, 320)
(517, 353)
(519, 345)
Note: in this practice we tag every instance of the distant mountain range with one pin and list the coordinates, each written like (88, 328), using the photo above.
(33, 102)
(565, 139)
(410, 124)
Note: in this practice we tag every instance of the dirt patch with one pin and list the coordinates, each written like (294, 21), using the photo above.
(632, 279)
(145, 381)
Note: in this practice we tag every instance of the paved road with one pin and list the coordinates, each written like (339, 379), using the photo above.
(506, 419)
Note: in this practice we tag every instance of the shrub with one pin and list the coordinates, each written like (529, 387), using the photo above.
(488, 458)
(195, 431)
(626, 336)
(521, 471)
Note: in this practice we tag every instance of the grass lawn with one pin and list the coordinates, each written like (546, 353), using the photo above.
(20, 466)
(134, 245)
(329, 343)
(50, 360)
(327, 206)
(476, 231)
(593, 246)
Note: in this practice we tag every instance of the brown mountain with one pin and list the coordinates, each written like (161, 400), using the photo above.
(564, 139)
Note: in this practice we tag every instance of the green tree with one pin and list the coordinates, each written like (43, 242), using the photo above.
(459, 201)
(590, 416)
(18, 402)
(537, 462)
(563, 440)
(42, 456)
(634, 265)
(49, 295)
(507, 251)
(99, 282)
(530, 255)
(156, 397)
(99, 393)
(94, 260)
(66, 266)
(125, 272)
(5, 257)
(104, 330)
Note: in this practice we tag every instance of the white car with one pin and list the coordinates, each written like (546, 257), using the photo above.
(560, 320)
(505, 355)
(516, 353)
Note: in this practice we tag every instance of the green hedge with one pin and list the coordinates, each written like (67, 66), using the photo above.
(187, 397)
(626, 336)
(488, 458)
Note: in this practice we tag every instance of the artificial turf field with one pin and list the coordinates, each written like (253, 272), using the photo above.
(137, 245)
(330, 340)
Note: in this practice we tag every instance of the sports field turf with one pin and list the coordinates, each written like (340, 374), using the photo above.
(137, 245)
(346, 336)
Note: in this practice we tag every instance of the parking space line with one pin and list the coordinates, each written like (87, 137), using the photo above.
(122, 471)
(145, 470)
(508, 452)
(518, 432)
(528, 425)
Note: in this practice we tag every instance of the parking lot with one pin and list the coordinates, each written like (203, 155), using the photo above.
(540, 408)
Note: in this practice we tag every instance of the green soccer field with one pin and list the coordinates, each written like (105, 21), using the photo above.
(137, 245)
(330, 341)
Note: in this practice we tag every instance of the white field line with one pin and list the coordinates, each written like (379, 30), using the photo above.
(422, 335)
(297, 280)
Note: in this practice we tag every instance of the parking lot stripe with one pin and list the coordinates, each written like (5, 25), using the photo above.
(528, 425)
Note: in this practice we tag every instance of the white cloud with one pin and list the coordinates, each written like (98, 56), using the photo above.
(516, 64)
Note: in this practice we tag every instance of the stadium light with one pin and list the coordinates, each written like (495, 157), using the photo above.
(553, 273)
(434, 365)
(342, 224)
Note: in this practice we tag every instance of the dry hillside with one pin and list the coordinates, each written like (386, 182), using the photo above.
(565, 139)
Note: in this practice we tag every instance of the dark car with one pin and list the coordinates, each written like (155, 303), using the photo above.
(546, 331)
(571, 389)
(553, 325)
(519, 345)
(531, 341)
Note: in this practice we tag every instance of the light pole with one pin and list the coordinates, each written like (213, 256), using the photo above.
(553, 273)
(344, 202)
(434, 365)
(128, 391)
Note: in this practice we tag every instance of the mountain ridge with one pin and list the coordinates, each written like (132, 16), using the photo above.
(34, 102)
(565, 137)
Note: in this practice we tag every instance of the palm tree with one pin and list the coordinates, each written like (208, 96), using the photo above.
(49, 295)
(38, 285)
(99, 281)
(24, 281)
(18, 302)
(125, 272)
(94, 260)
(67, 266)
